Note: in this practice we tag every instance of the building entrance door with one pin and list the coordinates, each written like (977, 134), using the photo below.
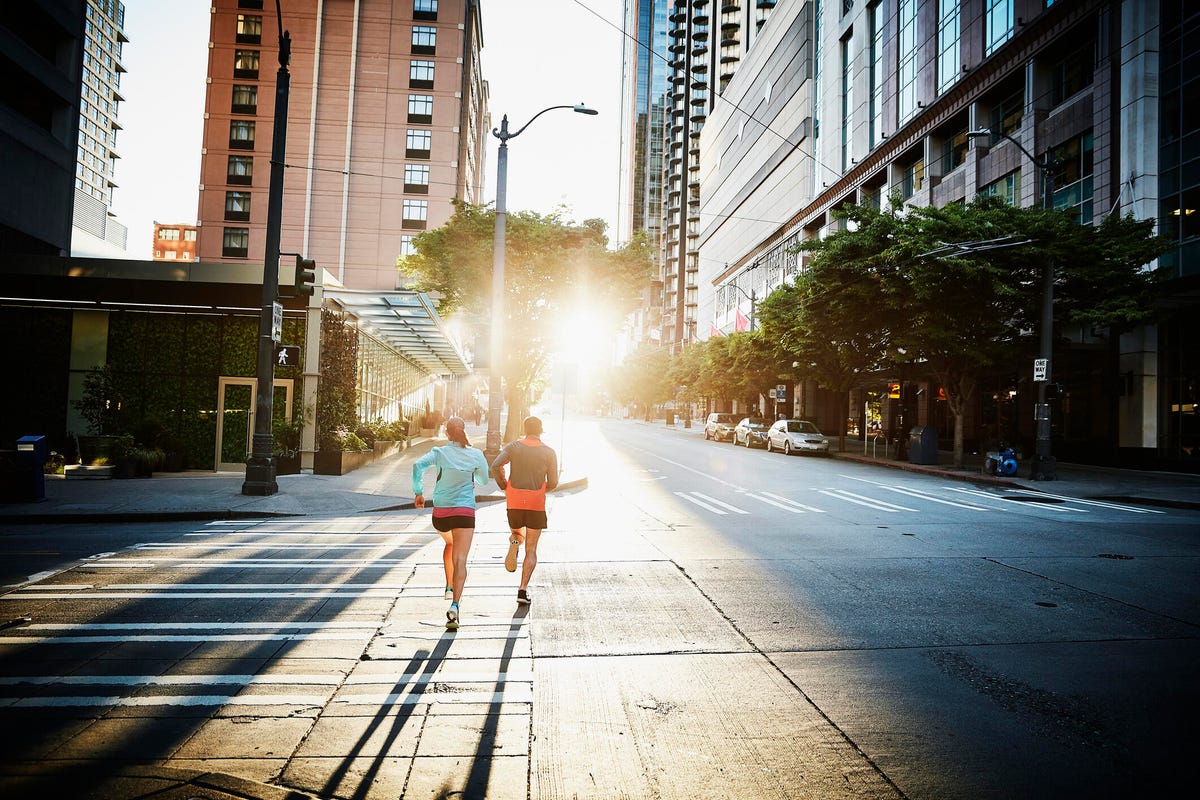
(236, 398)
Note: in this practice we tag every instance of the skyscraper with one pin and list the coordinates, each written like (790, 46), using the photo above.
(643, 97)
(386, 124)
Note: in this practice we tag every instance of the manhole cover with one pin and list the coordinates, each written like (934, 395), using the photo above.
(1023, 499)
(1116, 556)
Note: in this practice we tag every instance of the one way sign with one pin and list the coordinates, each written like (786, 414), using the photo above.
(287, 355)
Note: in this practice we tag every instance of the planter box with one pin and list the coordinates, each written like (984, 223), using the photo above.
(96, 448)
(385, 448)
(287, 465)
(339, 462)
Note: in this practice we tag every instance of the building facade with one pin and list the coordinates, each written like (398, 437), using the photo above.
(174, 242)
(387, 121)
(840, 103)
(706, 43)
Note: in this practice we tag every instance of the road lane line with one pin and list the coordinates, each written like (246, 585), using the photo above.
(687, 497)
(851, 497)
(1023, 504)
(1100, 503)
(775, 503)
(715, 501)
(794, 503)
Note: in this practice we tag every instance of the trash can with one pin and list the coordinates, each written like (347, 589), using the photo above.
(670, 417)
(923, 445)
(30, 480)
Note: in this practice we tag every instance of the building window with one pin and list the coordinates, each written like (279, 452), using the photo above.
(416, 178)
(189, 235)
(1007, 114)
(954, 151)
(874, 16)
(241, 134)
(407, 248)
(420, 108)
(1073, 176)
(418, 144)
(425, 9)
(818, 54)
(1073, 73)
(236, 243)
(249, 29)
(245, 64)
(914, 179)
(907, 67)
(949, 60)
(415, 214)
(171, 255)
(1007, 188)
(847, 99)
(424, 40)
(237, 206)
(420, 75)
(250, 4)
(245, 99)
(998, 24)
(240, 171)
(168, 234)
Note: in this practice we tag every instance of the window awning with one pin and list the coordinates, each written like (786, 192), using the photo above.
(408, 322)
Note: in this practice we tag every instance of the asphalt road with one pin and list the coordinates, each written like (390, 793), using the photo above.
(708, 621)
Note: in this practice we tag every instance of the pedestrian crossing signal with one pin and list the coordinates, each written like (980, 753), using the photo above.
(287, 355)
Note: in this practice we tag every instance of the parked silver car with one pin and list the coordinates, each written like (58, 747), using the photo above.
(719, 426)
(796, 436)
(751, 432)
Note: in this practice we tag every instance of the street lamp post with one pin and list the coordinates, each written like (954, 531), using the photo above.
(1043, 463)
(495, 397)
(751, 297)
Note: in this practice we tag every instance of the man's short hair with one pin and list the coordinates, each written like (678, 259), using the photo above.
(533, 426)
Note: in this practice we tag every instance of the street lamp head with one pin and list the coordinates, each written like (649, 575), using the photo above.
(580, 108)
(975, 134)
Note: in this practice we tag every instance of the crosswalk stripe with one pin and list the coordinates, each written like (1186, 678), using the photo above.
(199, 637)
(771, 502)
(395, 679)
(449, 695)
(997, 498)
(1100, 503)
(715, 501)
(919, 494)
(700, 503)
(794, 503)
(858, 499)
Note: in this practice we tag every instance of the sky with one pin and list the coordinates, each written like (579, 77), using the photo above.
(536, 54)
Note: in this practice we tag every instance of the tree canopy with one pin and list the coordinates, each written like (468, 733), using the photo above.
(955, 288)
(554, 270)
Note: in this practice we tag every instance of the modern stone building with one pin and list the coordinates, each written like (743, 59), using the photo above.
(387, 122)
(841, 102)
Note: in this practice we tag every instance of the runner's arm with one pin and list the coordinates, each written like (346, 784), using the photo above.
(418, 471)
(497, 470)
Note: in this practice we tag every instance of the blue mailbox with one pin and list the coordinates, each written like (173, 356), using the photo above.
(31, 458)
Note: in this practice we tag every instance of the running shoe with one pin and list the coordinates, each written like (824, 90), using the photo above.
(452, 617)
(449, 593)
(510, 560)
(523, 597)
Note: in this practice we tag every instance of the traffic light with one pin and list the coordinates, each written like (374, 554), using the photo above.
(306, 274)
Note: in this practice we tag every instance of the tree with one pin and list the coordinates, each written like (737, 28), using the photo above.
(553, 269)
(955, 288)
(643, 378)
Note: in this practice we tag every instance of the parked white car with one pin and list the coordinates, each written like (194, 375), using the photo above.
(796, 436)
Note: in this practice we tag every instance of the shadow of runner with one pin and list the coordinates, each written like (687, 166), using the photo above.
(431, 662)
(481, 767)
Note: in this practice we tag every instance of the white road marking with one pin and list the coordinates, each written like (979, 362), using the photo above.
(690, 499)
(715, 501)
(395, 679)
(198, 637)
(201, 626)
(1100, 503)
(919, 494)
(119, 595)
(794, 503)
(858, 499)
(262, 545)
(1031, 506)
(450, 695)
(255, 563)
(775, 503)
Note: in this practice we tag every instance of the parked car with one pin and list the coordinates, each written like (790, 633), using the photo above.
(719, 427)
(796, 436)
(751, 432)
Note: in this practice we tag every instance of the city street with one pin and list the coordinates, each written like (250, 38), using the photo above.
(707, 621)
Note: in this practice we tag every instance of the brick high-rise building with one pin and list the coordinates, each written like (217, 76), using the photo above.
(387, 121)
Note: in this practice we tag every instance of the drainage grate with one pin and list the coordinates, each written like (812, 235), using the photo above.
(1115, 556)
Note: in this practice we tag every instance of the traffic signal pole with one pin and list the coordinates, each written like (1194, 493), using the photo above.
(260, 466)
